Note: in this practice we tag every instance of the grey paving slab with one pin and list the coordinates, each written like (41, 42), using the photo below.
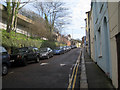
(96, 78)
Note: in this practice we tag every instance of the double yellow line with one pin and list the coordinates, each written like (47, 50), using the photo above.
(73, 78)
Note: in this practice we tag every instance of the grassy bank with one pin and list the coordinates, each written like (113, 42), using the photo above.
(16, 40)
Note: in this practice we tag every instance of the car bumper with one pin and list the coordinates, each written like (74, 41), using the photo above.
(56, 52)
(16, 61)
(43, 56)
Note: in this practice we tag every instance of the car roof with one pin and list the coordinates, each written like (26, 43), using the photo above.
(2, 49)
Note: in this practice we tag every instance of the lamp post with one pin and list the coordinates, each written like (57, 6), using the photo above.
(72, 33)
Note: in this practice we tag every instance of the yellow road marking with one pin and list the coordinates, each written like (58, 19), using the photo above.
(71, 77)
(75, 78)
(77, 64)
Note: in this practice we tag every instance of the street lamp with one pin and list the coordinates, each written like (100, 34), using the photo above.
(72, 33)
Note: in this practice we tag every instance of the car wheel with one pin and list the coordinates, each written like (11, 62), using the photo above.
(37, 60)
(48, 57)
(4, 69)
(24, 62)
(52, 55)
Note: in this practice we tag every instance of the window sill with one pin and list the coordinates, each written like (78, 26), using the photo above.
(100, 56)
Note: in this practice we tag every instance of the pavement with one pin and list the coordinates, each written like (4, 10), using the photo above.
(92, 76)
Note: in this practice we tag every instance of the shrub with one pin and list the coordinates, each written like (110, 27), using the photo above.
(16, 40)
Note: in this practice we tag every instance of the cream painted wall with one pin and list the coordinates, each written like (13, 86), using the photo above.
(113, 26)
(114, 62)
(92, 37)
(20, 29)
(113, 18)
(119, 17)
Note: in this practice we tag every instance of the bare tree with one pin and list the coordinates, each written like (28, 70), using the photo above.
(52, 12)
(12, 10)
(39, 30)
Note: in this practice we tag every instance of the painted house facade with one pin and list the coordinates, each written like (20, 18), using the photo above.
(91, 35)
(114, 29)
(101, 35)
(87, 20)
(105, 38)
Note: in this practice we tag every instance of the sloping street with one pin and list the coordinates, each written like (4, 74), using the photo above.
(49, 73)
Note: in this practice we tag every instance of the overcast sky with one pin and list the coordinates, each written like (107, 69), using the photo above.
(78, 9)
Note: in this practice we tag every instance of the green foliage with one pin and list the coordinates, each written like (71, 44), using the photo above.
(17, 40)
(48, 44)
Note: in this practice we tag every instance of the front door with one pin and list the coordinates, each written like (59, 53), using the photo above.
(118, 54)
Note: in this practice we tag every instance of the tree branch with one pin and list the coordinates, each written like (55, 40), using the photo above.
(24, 4)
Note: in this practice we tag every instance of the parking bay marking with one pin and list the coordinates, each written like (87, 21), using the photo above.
(62, 65)
(42, 64)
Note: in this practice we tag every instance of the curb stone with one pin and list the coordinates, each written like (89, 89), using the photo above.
(83, 76)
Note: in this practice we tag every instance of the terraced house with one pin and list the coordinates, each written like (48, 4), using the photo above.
(103, 23)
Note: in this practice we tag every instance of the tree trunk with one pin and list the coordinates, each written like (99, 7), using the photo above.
(13, 15)
(16, 12)
(9, 15)
(15, 25)
(8, 25)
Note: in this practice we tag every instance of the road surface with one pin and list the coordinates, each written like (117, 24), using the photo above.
(49, 73)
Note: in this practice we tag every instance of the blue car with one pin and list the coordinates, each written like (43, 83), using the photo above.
(59, 50)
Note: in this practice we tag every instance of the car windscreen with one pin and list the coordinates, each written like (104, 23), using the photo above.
(20, 50)
(43, 50)
(57, 48)
(3, 50)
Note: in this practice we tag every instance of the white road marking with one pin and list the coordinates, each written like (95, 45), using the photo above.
(11, 72)
(62, 65)
(43, 64)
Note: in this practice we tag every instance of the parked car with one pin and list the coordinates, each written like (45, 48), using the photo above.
(73, 46)
(65, 48)
(46, 52)
(25, 54)
(58, 50)
(5, 60)
(68, 48)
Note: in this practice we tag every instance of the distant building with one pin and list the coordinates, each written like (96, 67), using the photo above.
(87, 20)
(83, 41)
(63, 39)
(92, 39)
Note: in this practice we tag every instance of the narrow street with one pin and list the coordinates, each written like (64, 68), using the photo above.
(49, 73)
(68, 44)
